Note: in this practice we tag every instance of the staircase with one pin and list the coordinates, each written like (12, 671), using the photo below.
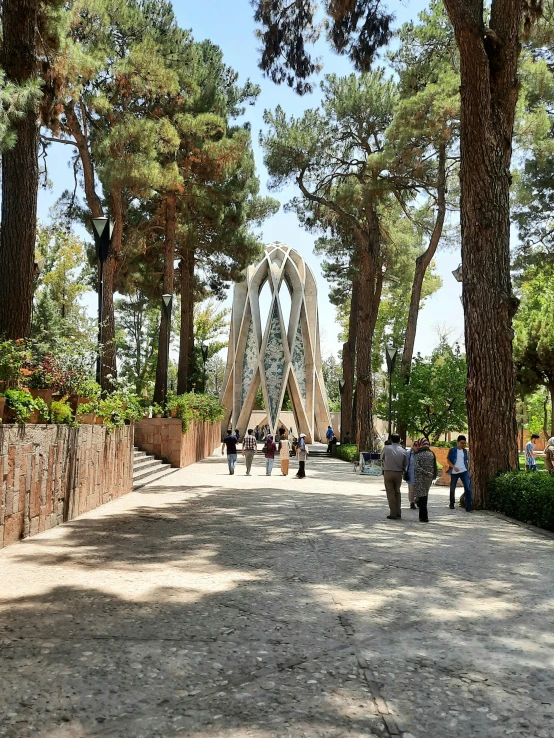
(318, 450)
(147, 469)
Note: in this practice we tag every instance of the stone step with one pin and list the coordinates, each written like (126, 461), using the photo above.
(141, 464)
(150, 469)
(153, 477)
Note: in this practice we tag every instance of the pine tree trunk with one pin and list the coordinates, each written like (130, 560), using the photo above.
(551, 390)
(19, 177)
(73, 125)
(348, 364)
(489, 91)
(371, 281)
(109, 356)
(184, 341)
(167, 289)
(421, 266)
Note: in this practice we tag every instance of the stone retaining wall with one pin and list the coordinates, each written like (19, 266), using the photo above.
(164, 438)
(52, 473)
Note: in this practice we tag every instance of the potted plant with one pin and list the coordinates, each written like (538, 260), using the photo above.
(21, 406)
(42, 381)
(85, 389)
(60, 411)
(86, 413)
(157, 410)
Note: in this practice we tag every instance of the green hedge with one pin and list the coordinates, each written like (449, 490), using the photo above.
(347, 452)
(525, 496)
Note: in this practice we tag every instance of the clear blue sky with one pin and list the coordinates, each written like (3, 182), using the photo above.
(231, 26)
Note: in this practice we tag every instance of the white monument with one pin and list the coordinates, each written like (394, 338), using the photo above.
(276, 356)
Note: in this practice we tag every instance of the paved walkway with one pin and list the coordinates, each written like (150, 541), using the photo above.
(212, 606)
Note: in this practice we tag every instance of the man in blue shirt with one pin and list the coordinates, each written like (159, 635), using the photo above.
(458, 468)
(329, 436)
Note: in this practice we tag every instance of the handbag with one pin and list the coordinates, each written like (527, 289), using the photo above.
(406, 475)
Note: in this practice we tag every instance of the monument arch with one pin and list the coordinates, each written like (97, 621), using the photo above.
(276, 356)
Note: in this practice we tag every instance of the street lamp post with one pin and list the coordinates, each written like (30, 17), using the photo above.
(103, 231)
(341, 390)
(167, 304)
(204, 348)
(391, 355)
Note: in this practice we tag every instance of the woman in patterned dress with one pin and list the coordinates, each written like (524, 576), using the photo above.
(425, 470)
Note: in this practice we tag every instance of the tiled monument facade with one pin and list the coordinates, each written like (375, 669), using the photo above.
(276, 356)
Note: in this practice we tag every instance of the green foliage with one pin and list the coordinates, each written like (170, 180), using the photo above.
(60, 412)
(137, 340)
(116, 409)
(13, 355)
(347, 452)
(332, 372)
(434, 401)
(59, 286)
(22, 404)
(196, 407)
(525, 496)
(16, 100)
(157, 410)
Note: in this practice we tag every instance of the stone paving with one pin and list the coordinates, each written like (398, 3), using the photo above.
(217, 606)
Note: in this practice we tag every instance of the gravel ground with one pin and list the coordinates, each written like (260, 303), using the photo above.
(217, 606)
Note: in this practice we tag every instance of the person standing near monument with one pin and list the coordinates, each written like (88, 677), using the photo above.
(269, 450)
(302, 454)
(230, 442)
(249, 448)
(284, 452)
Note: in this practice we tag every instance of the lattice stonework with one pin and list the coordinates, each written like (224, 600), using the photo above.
(250, 363)
(299, 363)
(276, 356)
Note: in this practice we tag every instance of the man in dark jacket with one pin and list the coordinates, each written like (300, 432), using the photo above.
(458, 468)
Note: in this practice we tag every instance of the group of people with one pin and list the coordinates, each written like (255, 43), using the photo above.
(531, 454)
(281, 447)
(418, 467)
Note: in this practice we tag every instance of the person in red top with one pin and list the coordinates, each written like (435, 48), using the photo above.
(269, 449)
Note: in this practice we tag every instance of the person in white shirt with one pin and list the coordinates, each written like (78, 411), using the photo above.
(458, 468)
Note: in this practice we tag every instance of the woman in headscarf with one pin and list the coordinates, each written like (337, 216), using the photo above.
(301, 453)
(549, 456)
(269, 455)
(425, 470)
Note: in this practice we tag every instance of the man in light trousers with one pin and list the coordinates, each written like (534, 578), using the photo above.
(394, 461)
(249, 448)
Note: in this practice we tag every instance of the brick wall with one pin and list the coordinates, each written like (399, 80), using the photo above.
(52, 473)
(164, 438)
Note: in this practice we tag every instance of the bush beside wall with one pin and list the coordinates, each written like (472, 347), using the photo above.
(347, 452)
(525, 496)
